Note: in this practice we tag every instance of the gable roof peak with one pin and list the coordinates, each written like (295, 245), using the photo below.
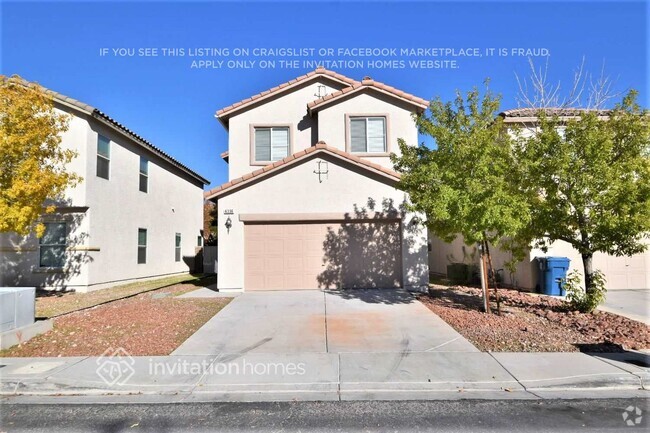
(420, 104)
(225, 113)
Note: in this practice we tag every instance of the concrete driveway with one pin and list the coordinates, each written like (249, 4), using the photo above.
(633, 304)
(313, 321)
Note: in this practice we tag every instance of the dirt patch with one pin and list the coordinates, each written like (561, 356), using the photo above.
(533, 323)
(53, 303)
(152, 323)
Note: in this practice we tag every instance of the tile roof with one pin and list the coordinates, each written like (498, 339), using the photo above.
(225, 155)
(291, 159)
(372, 84)
(225, 112)
(109, 121)
(551, 111)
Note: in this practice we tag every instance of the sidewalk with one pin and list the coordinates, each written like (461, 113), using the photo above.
(633, 304)
(325, 376)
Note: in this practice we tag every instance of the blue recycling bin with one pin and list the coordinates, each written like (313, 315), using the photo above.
(552, 271)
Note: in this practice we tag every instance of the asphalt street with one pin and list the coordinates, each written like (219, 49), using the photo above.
(379, 416)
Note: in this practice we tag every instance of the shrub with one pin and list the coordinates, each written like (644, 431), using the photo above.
(578, 298)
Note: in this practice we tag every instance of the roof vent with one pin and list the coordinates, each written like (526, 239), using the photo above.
(367, 78)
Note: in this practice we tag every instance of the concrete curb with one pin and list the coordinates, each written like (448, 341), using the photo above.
(331, 376)
(20, 335)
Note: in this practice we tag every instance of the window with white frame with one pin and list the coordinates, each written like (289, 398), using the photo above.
(52, 245)
(103, 156)
(271, 144)
(142, 246)
(144, 174)
(177, 249)
(368, 134)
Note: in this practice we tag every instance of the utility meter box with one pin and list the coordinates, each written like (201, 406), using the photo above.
(17, 307)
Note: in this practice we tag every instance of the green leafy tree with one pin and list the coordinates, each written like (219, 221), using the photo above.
(464, 185)
(32, 161)
(589, 179)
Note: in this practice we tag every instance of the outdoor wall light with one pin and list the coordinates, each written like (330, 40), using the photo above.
(228, 224)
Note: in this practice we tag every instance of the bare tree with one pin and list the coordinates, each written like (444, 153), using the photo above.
(538, 91)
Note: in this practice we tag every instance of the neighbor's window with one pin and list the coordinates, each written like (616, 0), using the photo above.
(144, 174)
(52, 246)
(271, 144)
(368, 135)
(178, 247)
(199, 241)
(142, 246)
(103, 156)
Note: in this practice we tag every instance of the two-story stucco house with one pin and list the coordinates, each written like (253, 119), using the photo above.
(311, 200)
(622, 273)
(137, 213)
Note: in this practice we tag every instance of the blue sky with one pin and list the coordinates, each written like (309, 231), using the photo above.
(173, 105)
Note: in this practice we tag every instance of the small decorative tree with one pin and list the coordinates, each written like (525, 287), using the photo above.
(464, 185)
(587, 169)
(32, 161)
(589, 178)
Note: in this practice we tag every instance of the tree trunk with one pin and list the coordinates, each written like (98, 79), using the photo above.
(589, 271)
(484, 283)
(490, 271)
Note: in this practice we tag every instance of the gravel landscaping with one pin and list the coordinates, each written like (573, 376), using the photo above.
(533, 323)
(53, 303)
(151, 323)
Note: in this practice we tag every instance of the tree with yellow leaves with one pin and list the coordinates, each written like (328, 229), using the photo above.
(32, 161)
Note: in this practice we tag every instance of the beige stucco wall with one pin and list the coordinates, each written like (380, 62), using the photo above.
(19, 256)
(327, 124)
(620, 272)
(442, 253)
(298, 191)
(103, 240)
(289, 109)
(333, 128)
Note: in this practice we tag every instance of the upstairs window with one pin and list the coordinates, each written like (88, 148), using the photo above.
(271, 144)
(103, 156)
(144, 174)
(142, 246)
(52, 246)
(368, 135)
(177, 249)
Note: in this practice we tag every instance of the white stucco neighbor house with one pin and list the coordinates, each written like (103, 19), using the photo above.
(311, 201)
(137, 214)
(621, 272)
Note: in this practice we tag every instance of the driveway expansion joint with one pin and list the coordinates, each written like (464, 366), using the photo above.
(513, 376)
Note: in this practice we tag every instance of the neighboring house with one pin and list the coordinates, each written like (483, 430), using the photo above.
(311, 200)
(137, 214)
(621, 272)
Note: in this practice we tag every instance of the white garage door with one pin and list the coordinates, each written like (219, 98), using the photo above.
(294, 256)
(624, 272)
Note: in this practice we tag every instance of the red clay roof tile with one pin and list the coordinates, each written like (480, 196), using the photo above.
(320, 71)
(366, 84)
